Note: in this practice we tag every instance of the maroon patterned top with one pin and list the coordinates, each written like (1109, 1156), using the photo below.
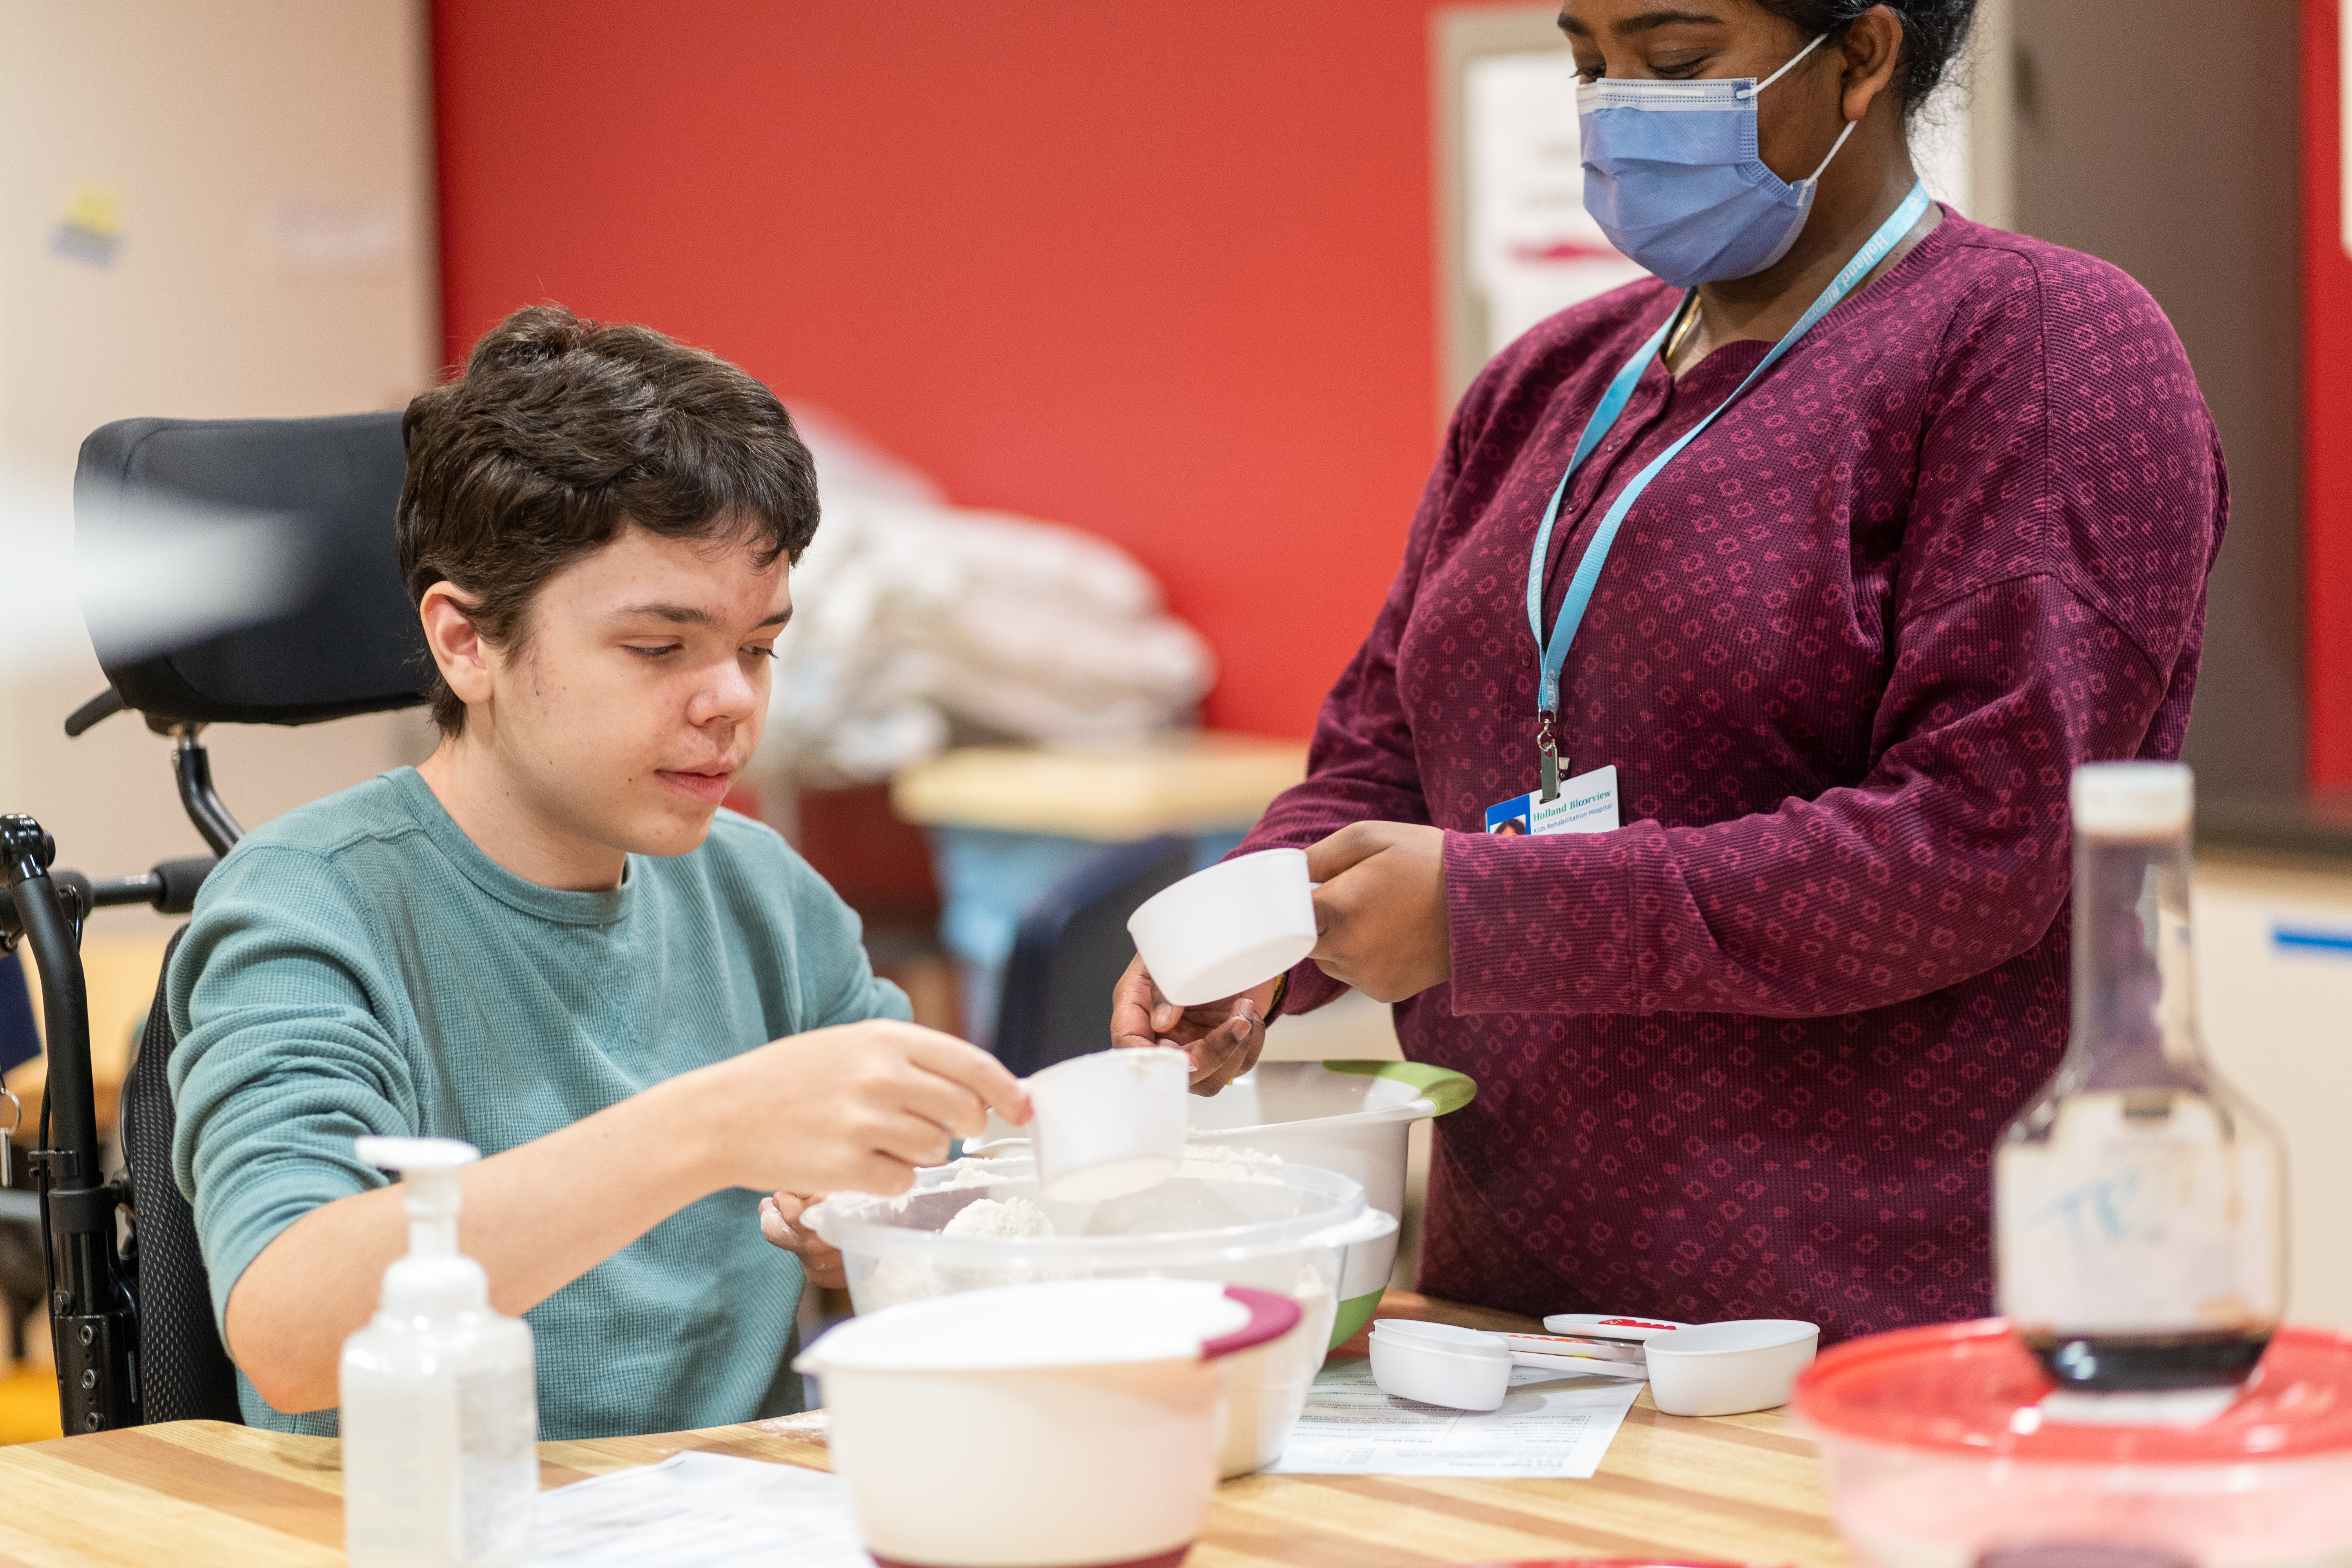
(1748, 1055)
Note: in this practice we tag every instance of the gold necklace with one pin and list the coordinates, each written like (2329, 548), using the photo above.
(1681, 331)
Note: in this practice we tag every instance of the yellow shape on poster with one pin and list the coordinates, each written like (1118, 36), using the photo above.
(96, 209)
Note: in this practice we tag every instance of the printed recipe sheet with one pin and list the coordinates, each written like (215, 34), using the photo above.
(1548, 1426)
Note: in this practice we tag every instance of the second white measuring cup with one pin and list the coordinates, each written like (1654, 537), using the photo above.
(1220, 930)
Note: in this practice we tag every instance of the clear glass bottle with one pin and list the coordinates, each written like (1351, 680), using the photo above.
(2139, 1203)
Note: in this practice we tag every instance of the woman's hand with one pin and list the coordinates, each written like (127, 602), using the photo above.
(1381, 908)
(1222, 1037)
(780, 1222)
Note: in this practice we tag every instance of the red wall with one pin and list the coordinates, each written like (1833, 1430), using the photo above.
(1161, 271)
(2327, 408)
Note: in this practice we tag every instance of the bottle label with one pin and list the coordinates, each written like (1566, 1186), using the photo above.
(2127, 1220)
(396, 1466)
(497, 1469)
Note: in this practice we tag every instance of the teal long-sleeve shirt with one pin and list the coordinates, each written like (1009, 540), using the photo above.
(358, 965)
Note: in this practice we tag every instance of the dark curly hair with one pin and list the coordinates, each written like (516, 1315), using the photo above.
(559, 430)
(1934, 31)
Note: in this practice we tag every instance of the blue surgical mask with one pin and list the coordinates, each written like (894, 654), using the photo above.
(1672, 176)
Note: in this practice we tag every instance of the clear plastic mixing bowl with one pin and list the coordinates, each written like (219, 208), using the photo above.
(1285, 1228)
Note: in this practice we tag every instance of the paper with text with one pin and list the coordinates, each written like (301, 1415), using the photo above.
(1548, 1426)
(693, 1510)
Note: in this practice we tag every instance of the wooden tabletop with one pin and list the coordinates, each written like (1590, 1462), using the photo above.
(1741, 1490)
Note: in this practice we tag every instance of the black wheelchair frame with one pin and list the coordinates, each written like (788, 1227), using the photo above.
(91, 1259)
(347, 643)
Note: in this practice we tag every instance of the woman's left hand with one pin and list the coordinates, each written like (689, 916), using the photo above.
(1381, 908)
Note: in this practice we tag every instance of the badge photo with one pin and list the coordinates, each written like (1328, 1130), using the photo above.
(1586, 804)
(1510, 816)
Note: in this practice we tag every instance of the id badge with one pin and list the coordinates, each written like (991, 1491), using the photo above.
(1587, 804)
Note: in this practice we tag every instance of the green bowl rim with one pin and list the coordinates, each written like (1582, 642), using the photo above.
(1441, 1086)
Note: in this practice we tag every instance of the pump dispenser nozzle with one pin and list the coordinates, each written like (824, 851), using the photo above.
(434, 1277)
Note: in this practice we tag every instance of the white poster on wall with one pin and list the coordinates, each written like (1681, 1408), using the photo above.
(1532, 247)
(1533, 250)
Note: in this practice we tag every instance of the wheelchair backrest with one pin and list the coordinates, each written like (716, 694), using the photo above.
(184, 1372)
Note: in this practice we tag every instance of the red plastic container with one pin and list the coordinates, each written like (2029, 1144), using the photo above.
(1938, 1453)
(1605, 1563)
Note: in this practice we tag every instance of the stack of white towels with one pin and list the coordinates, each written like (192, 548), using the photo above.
(916, 619)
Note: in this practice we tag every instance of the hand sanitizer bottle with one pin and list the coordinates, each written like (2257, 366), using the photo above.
(2138, 1204)
(440, 1411)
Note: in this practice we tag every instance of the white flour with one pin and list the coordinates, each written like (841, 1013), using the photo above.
(899, 1279)
(1202, 1162)
(1224, 1162)
(999, 1216)
(1266, 1387)
(896, 1279)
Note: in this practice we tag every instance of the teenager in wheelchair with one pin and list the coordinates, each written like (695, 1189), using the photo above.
(547, 938)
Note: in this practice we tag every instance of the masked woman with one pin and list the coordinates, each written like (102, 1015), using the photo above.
(1791, 586)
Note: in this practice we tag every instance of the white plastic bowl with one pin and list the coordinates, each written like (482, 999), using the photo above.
(1289, 1230)
(1352, 1116)
(1038, 1426)
(1225, 929)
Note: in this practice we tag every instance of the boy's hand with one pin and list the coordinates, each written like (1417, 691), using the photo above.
(780, 1222)
(1223, 1037)
(856, 1108)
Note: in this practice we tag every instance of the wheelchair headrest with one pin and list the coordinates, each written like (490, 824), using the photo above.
(345, 638)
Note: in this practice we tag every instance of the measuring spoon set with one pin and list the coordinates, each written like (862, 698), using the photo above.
(1707, 1369)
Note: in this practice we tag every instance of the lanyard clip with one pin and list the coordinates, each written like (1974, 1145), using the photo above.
(1548, 754)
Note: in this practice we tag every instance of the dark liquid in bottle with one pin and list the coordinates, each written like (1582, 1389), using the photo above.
(2080, 1554)
(2121, 1363)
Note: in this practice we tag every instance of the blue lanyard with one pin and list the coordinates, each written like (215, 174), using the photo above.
(1612, 405)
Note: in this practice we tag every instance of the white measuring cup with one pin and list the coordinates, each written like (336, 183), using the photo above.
(1220, 930)
(1470, 1368)
(1110, 1123)
(1729, 1369)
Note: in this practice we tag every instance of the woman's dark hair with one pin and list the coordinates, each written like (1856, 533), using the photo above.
(562, 429)
(1933, 33)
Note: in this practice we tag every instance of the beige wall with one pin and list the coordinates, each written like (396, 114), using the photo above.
(2278, 1023)
(2199, 207)
(273, 166)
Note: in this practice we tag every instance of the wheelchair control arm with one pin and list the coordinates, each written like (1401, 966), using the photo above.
(91, 1321)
